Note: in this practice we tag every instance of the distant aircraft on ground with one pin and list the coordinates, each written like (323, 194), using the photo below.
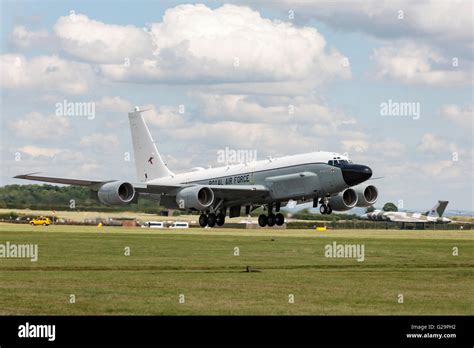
(435, 214)
(327, 178)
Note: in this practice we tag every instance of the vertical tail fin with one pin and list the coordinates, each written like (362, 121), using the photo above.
(148, 161)
(438, 209)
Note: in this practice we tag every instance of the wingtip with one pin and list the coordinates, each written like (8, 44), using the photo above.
(22, 176)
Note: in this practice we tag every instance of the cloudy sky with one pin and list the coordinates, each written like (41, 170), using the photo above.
(276, 77)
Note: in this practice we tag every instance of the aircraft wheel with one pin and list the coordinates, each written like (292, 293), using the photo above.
(329, 211)
(203, 220)
(323, 209)
(220, 219)
(279, 219)
(211, 220)
(271, 220)
(262, 220)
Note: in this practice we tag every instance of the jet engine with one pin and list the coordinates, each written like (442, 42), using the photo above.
(195, 197)
(116, 193)
(366, 195)
(344, 200)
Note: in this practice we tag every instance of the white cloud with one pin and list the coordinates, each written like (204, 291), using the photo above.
(355, 145)
(50, 73)
(114, 104)
(37, 126)
(100, 141)
(36, 151)
(230, 45)
(167, 116)
(274, 109)
(433, 144)
(443, 23)
(23, 38)
(98, 42)
(87, 169)
(417, 64)
(253, 122)
(462, 116)
(445, 167)
(390, 148)
(265, 49)
(195, 43)
(265, 138)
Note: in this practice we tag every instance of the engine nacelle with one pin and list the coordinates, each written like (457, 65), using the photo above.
(344, 200)
(116, 193)
(195, 197)
(366, 195)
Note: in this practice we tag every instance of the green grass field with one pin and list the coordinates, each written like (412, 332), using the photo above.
(200, 264)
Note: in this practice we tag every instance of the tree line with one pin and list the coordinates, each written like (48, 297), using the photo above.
(49, 197)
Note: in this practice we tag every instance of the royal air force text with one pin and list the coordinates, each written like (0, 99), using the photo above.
(231, 180)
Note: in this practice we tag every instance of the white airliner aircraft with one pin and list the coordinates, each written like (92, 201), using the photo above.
(325, 177)
(435, 214)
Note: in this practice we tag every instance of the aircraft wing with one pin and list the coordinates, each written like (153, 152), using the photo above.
(95, 184)
(226, 192)
(65, 181)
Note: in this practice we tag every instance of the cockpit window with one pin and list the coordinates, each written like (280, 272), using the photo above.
(338, 162)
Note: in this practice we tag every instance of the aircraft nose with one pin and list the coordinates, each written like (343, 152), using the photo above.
(354, 174)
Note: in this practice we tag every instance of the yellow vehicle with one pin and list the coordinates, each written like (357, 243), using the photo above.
(41, 221)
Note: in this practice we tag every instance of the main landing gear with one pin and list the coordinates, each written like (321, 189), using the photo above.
(271, 220)
(211, 220)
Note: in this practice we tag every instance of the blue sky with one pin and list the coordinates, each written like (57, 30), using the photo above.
(188, 58)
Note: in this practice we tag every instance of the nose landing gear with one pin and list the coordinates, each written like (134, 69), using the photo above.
(325, 207)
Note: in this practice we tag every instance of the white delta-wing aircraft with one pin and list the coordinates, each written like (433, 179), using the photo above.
(325, 177)
(435, 214)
